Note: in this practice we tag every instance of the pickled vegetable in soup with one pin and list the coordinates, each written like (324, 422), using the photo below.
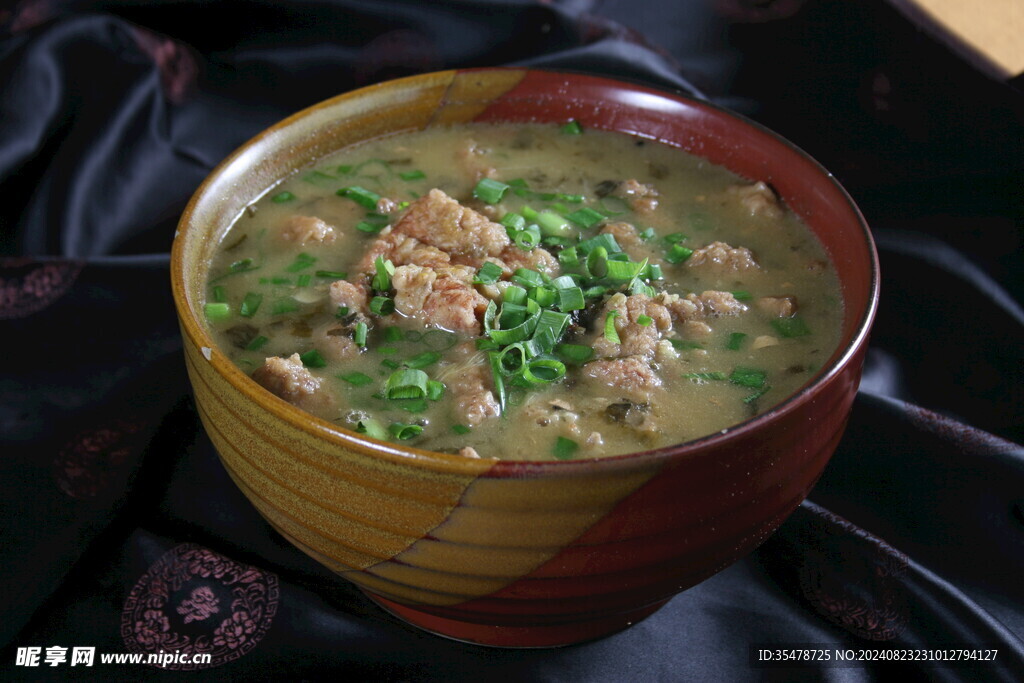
(525, 292)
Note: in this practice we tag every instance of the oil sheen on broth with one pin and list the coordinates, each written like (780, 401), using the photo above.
(524, 292)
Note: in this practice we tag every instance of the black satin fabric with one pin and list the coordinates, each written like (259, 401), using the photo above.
(111, 114)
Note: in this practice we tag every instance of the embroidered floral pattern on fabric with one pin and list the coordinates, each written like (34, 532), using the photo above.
(27, 287)
(852, 578)
(96, 463)
(193, 600)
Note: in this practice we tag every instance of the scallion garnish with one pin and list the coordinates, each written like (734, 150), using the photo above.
(685, 344)
(677, 253)
(748, 377)
(572, 127)
(586, 217)
(393, 334)
(356, 378)
(568, 257)
(403, 432)
(312, 359)
(461, 429)
(359, 334)
(742, 295)
(735, 341)
(361, 196)
(422, 360)
(282, 197)
(489, 190)
(382, 305)
(219, 296)
(257, 343)
(564, 449)
(241, 265)
(435, 390)
(382, 280)
(282, 306)
(372, 428)
(341, 312)
(791, 327)
(597, 262)
(610, 333)
(250, 304)
(513, 221)
(527, 239)
(553, 225)
(494, 358)
(216, 311)
(574, 354)
(412, 175)
(318, 178)
(303, 280)
(644, 320)
(369, 228)
(408, 383)
(514, 294)
(488, 274)
(332, 274)
(301, 262)
(647, 235)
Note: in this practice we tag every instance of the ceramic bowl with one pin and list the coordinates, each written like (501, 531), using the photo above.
(522, 554)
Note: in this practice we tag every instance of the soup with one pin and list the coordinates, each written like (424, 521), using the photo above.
(526, 292)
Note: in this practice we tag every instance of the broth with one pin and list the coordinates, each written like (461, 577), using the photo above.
(745, 308)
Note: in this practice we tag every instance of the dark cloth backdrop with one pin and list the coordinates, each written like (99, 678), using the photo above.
(111, 113)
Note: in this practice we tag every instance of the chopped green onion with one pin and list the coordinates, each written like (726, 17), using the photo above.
(250, 304)
(748, 377)
(257, 343)
(382, 305)
(791, 327)
(653, 272)
(543, 369)
(435, 390)
(412, 175)
(586, 217)
(217, 311)
(677, 253)
(623, 271)
(735, 341)
(372, 428)
(644, 320)
(403, 432)
(514, 294)
(301, 262)
(422, 360)
(647, 235)
(489, 190)
(387, 350)
(610, 333)
(341, 312)
(390, 364)
(742, 295)
(406, 384)
(595, 292)
(413, 336)
(543, 296)
(219, 296)
(440, 340)
(369, 228)
(685, 344)
(393, 334)
(313, 359)
(564, 448)
(489, 273)
(568, 257)
(606, 240)
(573, 127)
(553, 225)
(706, 376)
(574, 354)
(332, 274)
(597, 262)
(757, 394)
(303, 280)
(239, 266)
(356, 378)
(382, 280)
(359, 334)
(344, 169)
(528, 278)
(282, 306)
(282, 197)
(571, 299)
(318, 177)
(673, 238)
(461, 429)
(527, 239)
(513, 221)
(361, 196)
(499, 383)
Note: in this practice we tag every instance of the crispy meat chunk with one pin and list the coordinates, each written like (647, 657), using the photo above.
(631, 377)
(288, 379)
(758, 199)
(777, 306)
(440, 221)
(350, 295)
(635, 339)
(402, 250)
(305, 230)
(512, 257)
(719, 257)
(642, 197)
(443, 297)
(468, 378)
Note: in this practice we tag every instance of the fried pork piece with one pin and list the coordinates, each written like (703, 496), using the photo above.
(402, 250)
(350, 295)
(471, 158)
(305, 230)
(468, 379)
(635, 339)
(443, 297)
(719, 257)
(641, 197)
(777, 306)
(288, 379)
(440, 221)
(630, 377)
(697, 307)
(758, 199)
(512, 257)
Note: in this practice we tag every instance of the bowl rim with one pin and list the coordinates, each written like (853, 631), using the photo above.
(335, 435)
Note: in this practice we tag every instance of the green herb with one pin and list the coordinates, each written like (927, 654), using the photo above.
(361, 196)
(250, 304)
(257, 343)
(677, 253)
(513, 221)
(791, 327)
(461, 429)
(356, 378)
(574, 354)
(403, 432)
(217, 311)
(332, 274)
(489, 190)
(372, 428)
(527, 239)
(685, 344)
(393, 334)
(422, 360)
(748, 377)
(341, 312)
(313, 359)
(610, 333)
(301, 262)
(382, 280)
(318, 178)
(568, 257)
(435, 390)
(219, 296)
(586, 217)
(303, 280)
(382, 305)
(369, 228)
(282, 306)
(757, 394)
(644, 320)
(412, 175)
(735, 341)
(359, 334)
(647, 235)
(564, 449)
(573, 127)
(489, 273)
(440, 340)
(553, 225)
(282, 197)
(406, 384)
(742, 295)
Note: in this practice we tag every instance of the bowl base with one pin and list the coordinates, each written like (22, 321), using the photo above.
(548, 635)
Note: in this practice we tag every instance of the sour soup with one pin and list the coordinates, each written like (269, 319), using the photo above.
(524, 292)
